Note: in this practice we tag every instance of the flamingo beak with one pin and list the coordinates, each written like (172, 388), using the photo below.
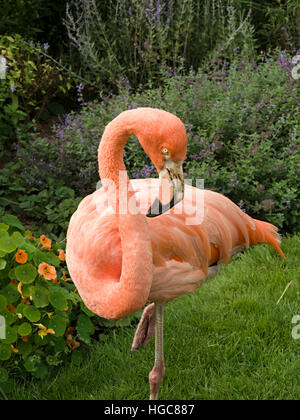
(171, 189)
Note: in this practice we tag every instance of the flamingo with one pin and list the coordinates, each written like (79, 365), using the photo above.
(120, 259)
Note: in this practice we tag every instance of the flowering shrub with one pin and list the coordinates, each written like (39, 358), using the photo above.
(136, 39)
(242, 120)
(29, 84)
(46, 321)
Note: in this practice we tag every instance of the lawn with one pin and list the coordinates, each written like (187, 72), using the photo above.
(231, 339)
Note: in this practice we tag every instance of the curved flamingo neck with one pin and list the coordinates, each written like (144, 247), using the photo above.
(132, 290)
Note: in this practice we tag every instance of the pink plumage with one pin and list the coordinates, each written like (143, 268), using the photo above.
(117, 261)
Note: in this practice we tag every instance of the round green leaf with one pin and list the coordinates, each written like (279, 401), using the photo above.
(41, 372)
(10, 336)
(40, 296)
(5, 351)
(3, 375)
(3, 226)
(32, 363)
(24, 329)
(58, 324)
(32, 313)
(6, 244)
(17, 239)
(12, 220)
(26, 273)
(11, 293)
(25, 348)
(58, 300)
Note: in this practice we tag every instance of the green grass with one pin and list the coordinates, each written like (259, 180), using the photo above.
(228, 340)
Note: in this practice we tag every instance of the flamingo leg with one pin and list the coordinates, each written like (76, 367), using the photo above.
(145, 328)
(157, 373)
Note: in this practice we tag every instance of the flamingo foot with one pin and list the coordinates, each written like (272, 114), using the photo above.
(145, 329)
(155, 378)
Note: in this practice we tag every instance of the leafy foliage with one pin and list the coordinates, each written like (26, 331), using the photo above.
(46, 322)
(29, 87)
(242, 121)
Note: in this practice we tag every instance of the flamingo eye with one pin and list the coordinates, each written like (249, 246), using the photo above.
(164, 150)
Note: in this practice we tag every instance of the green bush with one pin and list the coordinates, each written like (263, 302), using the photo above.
(242, 120)
(46, 322)
(134, 40)
(29, 88)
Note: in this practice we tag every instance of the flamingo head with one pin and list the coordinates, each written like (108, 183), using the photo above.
(164, 139)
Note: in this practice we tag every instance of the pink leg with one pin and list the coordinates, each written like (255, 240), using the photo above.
(157, 373)
(145, 329)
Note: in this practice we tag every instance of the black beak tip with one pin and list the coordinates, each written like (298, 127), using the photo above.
(155, 209)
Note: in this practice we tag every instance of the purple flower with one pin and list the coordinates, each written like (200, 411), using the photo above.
(13, 88)
(46, 46)
(130, 11)
(288, 202)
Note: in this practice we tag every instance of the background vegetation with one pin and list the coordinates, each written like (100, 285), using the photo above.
(67, 69)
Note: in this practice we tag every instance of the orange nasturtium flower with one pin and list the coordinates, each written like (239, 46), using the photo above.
(62, 255)
(46, 242)
(21, 256)
(47, 271)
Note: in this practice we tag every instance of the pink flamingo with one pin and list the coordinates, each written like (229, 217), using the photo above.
(119, 260)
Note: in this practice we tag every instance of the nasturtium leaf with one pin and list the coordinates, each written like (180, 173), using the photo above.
(17, 239)
(42, 341)
(2, 264)
(84, 323)
(3, 226)
(27, 290)
(41, 372)
(9, 318)
(85, 328)
(11, 336)
(6, 244)
(32, 313)
(40, 296)
(12, 220)
(59, 344)
(26, 273)
(11, 293)
(58, 324)
(32, 363)
(24, 329)
(58, 300)
(11, 273)
(3, 302)
(20, 307)
(24, 347)
(45, 256)
(5, 351)
(3, 375)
